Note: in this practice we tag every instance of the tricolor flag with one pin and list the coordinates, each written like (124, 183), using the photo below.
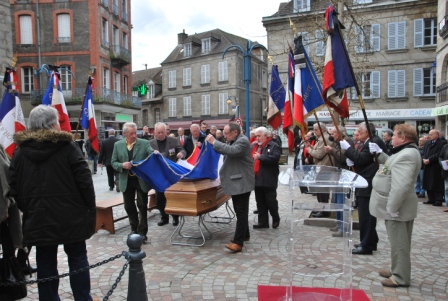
(307, 88)
(88, 121)
(54, 97)
(11, 115)
(276, 103)
(337, 75)
(288, 124)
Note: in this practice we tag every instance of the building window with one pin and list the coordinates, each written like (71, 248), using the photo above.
(115, 7)
(425, 32)
(396, 81)
(223, 105)
(187, 106)
(306, 41)
(27, 80)
(105, 3)
(106, 78)
(187, 50)
(205, 104)
(222, 71)
(115, 40)
(172, 107)
(424, 82)
(66, 80)
(187, 77)
(367, 38)
(172, 79)
(124, 10)
(145, 117)
(397, 35)
(362, 1)
(320, 43)
(370, 84)
(105, 33)
(64, 31)
(26, 30)
(206, 45)
(125, 85)
(264, 79)
(301, 6)
(156, 115)
(205, 74)
(116, 82)
(125, 41)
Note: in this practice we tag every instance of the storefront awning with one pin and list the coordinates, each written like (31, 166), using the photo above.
(443, 110)
(174, 125)
(220, 123)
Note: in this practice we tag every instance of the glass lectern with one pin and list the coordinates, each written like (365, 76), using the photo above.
(312, 267)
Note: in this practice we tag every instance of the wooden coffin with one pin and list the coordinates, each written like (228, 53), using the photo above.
(193, 198)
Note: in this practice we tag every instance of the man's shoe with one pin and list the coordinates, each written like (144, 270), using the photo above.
(437, 204)
(321, 214)
(117, 186)
(234, 248)
(385, 273)
(255, 211)
(246, 239)
(337, 234)
(144, 239)
(421, 196)
(260, 226)
(163, 222)
(29, 269)
(175, 221)
(428, 202)
(275, 224)
(111, 188)
(361, 251)
(390, 282)
(358, 245)
(334, 229)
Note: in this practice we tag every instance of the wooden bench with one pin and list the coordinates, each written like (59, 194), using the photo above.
(105, 215)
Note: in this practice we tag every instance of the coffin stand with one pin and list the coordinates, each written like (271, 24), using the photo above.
(193, 198)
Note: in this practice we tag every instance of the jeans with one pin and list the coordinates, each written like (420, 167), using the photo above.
(419, 183)
(47, 266)
(339, 199)
(94, 158)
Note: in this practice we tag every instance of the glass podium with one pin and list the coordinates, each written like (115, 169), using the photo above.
(330, 272)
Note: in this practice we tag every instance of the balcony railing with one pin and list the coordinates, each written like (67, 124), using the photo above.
(100, 95)
(125, 16)
(105, 43)
(442, 93)
(120, 55)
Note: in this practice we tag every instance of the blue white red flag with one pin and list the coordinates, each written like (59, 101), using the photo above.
(11, 115)
(337, 75)
(88, 121)
(55, 98)
(276, 103)
(288, 123)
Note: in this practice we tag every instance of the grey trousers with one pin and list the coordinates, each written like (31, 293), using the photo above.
(400, 234)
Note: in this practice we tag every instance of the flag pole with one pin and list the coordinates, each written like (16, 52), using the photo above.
(89, 81)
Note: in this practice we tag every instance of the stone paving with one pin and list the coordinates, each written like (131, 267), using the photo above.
(212, 273)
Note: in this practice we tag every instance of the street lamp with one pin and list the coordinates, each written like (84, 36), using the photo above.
(230, 100)
(247, 71)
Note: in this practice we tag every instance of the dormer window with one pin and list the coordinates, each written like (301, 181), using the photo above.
(206, 45)
(187, 50)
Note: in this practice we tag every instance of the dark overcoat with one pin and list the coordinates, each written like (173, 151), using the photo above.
(432, 175)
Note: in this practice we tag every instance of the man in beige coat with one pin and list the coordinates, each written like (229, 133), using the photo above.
(394, 200)
(320, 157)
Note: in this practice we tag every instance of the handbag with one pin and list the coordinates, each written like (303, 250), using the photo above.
(10, 270)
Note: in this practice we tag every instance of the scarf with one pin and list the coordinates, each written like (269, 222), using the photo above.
(254, 151)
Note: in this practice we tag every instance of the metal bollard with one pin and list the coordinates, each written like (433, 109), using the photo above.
(137, 282)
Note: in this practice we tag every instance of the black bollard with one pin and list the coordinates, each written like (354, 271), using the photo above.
(137, 283)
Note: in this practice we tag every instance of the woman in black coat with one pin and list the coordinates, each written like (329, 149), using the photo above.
(53, 187)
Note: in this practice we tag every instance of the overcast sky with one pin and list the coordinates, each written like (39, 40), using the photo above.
(156, 24)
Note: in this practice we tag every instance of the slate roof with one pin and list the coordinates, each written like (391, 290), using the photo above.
(143, 76)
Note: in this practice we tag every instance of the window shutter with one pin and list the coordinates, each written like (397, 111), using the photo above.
(359, 39)
(401, 83)
(418, 33)
(306, 41)
(401, 32)
(26, 34)
(375, 84)
(418, 82)
(375, 38)
(391, 83)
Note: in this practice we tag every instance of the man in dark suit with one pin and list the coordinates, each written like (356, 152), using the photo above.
(180, 136)
(126, 151)
(105, 159)
(194, 139)
(170, 148)
(432, 175)
(365, 166)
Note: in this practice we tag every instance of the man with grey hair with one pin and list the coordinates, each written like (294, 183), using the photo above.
(266, 154)
(125, 152)
(194, 139)
(213, 130)
(105, 158)
(170, 148)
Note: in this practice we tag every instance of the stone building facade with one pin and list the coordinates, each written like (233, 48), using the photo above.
(5, 39)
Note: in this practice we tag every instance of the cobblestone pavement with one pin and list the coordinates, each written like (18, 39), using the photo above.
(212, 273)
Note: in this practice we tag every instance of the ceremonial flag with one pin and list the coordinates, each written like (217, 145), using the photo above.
(194, 156)
(276, 99)
(307, 88)
(88, 121)
(55, 98)
(11, 115)
(288, 124)
(337, 75)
